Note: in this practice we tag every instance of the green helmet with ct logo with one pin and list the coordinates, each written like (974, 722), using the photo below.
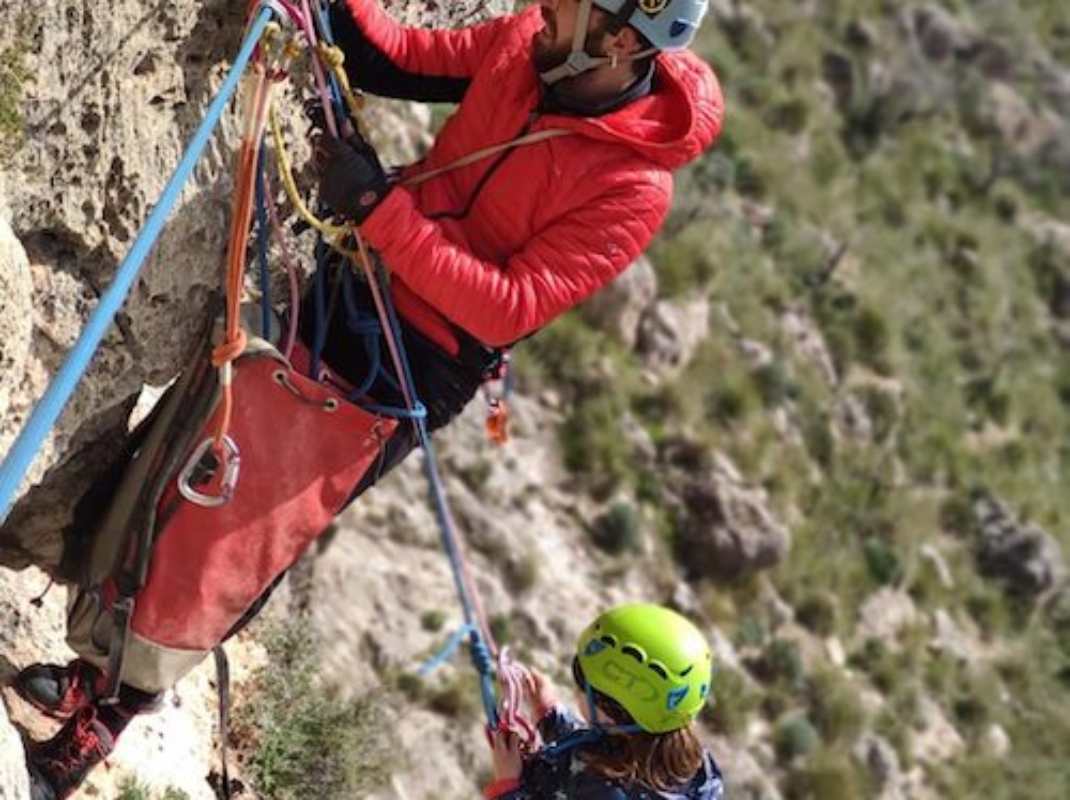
(650, 660)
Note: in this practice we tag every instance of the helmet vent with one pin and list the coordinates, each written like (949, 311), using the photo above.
(634, 652)
(687, 671)
(659, 670)
(609, 640)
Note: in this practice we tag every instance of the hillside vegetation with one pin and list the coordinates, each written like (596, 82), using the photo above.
(878, 237)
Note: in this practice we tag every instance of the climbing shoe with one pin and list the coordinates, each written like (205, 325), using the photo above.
(59, 691)
(58, 766)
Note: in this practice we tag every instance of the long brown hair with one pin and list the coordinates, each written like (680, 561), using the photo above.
(659, 761)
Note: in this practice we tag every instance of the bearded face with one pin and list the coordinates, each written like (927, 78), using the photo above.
(552, 45)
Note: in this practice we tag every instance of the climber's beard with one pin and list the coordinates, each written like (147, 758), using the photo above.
(549, 55)
(549, 49)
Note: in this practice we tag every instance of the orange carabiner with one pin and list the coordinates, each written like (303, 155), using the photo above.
(498, 421)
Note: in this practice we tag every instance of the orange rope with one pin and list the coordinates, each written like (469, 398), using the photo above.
(234, 339)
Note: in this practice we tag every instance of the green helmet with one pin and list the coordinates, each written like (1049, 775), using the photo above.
(653, 662)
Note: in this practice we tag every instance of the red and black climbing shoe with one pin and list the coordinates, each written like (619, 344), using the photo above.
(59, 691)
(58, 766)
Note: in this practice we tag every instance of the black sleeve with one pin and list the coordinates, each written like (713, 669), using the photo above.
(371, 70)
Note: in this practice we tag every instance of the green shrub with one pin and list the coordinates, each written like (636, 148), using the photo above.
(819, 611)
(817, 434)
(883, 411)
(500, 628)
(432, 621)
(899, 733)
(1058, 615)
(563, 355)
(781, 663)
(732, 701)
(728, 402)
(522, 573)
(881, 664)
(795, 736)
(882, 561)
(13, 76)
(956, 514)
(130, 788)
(989, 608)
(306, 742)
(774, 385)
(684, 262)
(617, 531)
(835, 707)
(751, 632)
(827, 776)
(592, 445)
(872, 339)
(789, 115)
(458, 698)
(411, 685)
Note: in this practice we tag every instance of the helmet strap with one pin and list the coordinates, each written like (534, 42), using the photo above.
(579, 60)
(592, 708)
(605, 730)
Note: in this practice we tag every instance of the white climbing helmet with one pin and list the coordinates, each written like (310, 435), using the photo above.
(666, 24)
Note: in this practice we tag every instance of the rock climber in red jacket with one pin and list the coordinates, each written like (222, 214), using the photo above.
(581, 109)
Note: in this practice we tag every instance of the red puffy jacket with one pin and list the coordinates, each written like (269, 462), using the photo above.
(557, 220)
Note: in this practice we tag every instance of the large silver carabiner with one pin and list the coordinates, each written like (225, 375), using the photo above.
(232, 465)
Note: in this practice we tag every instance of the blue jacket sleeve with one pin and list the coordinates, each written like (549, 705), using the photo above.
(558, 723)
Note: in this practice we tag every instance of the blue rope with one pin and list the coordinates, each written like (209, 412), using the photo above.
(51, 405)
(323, 23)
(445, 653)
(319, 297)
(479, 651)
(368, 328)
(262, 249)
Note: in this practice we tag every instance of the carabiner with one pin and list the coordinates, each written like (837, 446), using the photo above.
(231, 466)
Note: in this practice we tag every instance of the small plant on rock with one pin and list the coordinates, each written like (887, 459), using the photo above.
(617, 531)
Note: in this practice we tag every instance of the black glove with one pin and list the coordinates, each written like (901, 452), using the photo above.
(352, 181)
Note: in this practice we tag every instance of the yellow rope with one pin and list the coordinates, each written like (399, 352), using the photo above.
(334, 58)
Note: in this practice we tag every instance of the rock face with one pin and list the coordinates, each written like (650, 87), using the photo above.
(728, 528)
(618, 307)
(23, 629)
(884, 614)
(16, 294)
(882, 762)
(106, 123)
(1025, 557)
(14, 782)
(670, 331)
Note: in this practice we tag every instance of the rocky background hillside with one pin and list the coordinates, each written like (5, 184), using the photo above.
(829, 416)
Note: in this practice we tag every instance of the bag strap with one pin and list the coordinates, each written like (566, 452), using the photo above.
(486, 152)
